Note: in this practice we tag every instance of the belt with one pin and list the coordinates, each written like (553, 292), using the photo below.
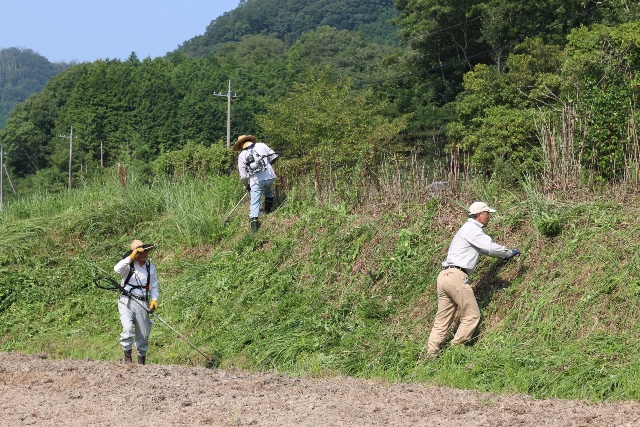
(454, 266)
(134, 296)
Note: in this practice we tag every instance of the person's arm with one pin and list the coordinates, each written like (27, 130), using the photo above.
(153, 283)
(242, 167)
(242, 170)
(483, 243)
(271, 155)
(122, 267)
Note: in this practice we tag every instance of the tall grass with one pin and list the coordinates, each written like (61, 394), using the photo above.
(340, 279)
(563, 139)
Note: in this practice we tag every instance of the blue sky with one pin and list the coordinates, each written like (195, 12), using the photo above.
(87, 30)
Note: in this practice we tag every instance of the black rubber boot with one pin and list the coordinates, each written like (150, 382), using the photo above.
(268, 204)
(142, 360)
(127, 356)
(255, 224)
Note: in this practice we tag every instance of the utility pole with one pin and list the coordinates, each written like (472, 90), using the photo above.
(229, 96)
(9, 178)
(70, 153)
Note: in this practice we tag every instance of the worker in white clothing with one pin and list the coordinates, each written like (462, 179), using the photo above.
(139, 287)
(255, 162)
(453, 286)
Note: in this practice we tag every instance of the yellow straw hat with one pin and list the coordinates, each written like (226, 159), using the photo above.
(241, 139)
(139, 244)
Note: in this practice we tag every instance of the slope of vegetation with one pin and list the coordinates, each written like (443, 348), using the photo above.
(331, 287)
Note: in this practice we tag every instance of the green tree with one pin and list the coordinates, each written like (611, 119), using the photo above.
(447, 39)
(600, 75)
(22, 72)
(497, 110)
(31, 126)
(593, 76)
(288, 20)
(346, 52)
(252, 50)
(324, 120)
(202, 117)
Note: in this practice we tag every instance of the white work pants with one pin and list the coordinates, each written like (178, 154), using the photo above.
(135, 323)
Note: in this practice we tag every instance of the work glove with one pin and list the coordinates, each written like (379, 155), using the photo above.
(514, 253)
(153, 305)
(135, 253)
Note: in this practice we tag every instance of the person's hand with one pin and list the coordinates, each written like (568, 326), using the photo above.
(247, 187)
(514, 253)
(135, 253)
(153, 305)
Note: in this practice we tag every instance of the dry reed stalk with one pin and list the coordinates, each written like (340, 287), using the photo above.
(122, 176)
(561, 166)
(632, 157)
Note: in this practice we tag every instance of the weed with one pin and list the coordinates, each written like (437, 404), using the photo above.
(337, 282)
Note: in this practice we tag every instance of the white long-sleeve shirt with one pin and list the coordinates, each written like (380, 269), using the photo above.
(138, 278)
(258, 150)
(467, 245)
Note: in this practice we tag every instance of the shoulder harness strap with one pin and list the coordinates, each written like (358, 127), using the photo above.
(132, 269)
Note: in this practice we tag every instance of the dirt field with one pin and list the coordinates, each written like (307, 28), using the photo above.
(40, 392)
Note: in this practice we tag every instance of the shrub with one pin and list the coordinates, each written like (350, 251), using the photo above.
(195, 160)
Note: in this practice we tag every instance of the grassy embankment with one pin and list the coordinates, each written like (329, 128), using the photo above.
(329, 288)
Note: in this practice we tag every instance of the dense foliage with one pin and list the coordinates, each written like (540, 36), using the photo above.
(288, 20)
(498, 87)
(450, 38)
(323, 122)
(133, 111)
(589, 89)
(22, 72)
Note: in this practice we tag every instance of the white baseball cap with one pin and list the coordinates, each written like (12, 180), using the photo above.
(478, 207)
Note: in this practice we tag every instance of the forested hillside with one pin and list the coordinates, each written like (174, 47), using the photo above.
(288, 20)
(512, 89)
(22, 72)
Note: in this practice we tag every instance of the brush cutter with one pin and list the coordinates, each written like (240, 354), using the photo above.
(110, 284)
(234, 208)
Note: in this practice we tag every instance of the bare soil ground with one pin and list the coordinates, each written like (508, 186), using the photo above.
(41, 392)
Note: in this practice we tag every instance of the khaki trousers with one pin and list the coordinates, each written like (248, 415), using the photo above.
(454, 292)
